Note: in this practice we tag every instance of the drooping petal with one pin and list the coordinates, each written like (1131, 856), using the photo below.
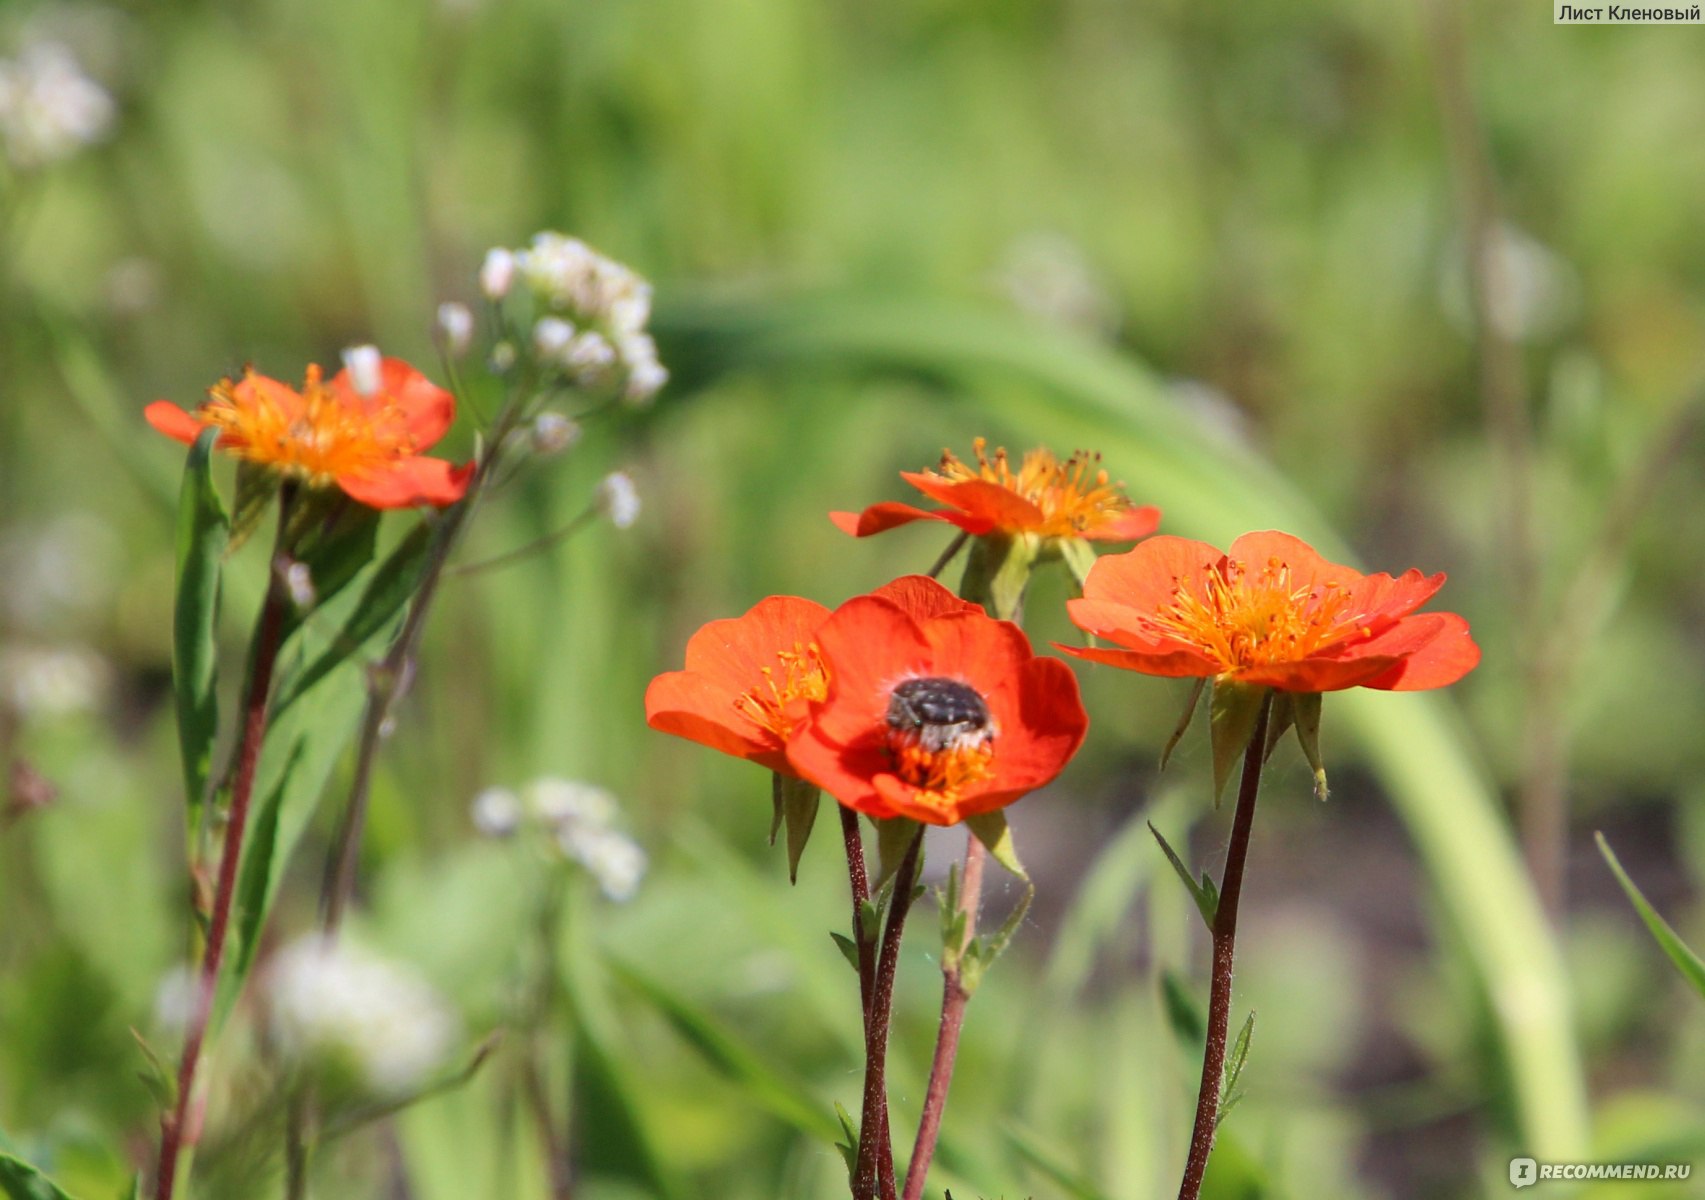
(1130, 525)
(1316, 674)
(1444, 652)
(890, 514)
(173, 421)
(407, 482)
(992, 505)
(1171, 664)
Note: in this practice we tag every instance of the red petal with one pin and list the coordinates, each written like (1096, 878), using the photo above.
(424, 410)
(880, 518)
(1381, 596)
(990, 505)
(734, 651)
(255, 391)
(1444, 653)
(1147, 577)
(1035, 744)
(1171, 664)
(1308, 568)
(1128, 526)
(699, 709)
(921, 597)
(408, 482)
(847, 772)
(868, 644)
(173, 421)
(1318, 674)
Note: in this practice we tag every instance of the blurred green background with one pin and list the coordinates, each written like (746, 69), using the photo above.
(1223, 245)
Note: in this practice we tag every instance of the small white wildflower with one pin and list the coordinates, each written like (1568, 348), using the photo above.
(299, 582)
(497, 812)
(49, 109)
(617, 499)
(455, 327)
(589, 358)
(553, 433)
(646, 376)
(346, 1013)
(560, 802)
(51, 681)
(174, 1000)
(497, 273)
(366, 369)
(552, 336)
(613, 859)
(557, 268)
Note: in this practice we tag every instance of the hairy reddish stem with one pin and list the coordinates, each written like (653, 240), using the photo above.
(1225, 942)
(873, 1176)
(954, 998)
(174, 1131)
(860, 881)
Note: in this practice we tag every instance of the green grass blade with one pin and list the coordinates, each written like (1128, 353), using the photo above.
(1686, 961)
(202, 532)
(20, 1181)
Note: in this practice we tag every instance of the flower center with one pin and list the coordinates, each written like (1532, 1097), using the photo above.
(316, 434)
(1257, 618)
(1075, 496)
(939, 734)
(777, 702)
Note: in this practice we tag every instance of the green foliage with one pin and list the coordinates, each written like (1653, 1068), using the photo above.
(203, 531)
(1691, 966)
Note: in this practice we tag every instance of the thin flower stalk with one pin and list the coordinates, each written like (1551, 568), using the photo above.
(872, 1179)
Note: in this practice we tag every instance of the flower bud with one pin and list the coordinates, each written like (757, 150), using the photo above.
(365, 367)
(552, 336)
(617, 499)
(553, 433)
(497, 812)
(497, 273)
(455, 327)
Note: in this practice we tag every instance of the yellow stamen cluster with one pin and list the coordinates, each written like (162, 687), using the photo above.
(798, 675)
(1074, 495)
(321, 438)
(947, 771)
(1247, 618)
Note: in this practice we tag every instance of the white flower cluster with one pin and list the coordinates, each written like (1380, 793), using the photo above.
(618, 499)
(49, 109)
(580, 820)
(338, 1009)
(593, 313)
(51, 681)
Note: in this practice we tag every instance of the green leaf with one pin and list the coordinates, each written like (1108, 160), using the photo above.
(985, 950)
(848, 1145)
(1235, 1062)
(613, 1140)
(1686, 961)
(796, 806)
(848, 948)
(780, 1096)
(1183, 1011)
(1207, 903)
(333, 537)
(156, 1076)
(1279, 721)
(1232, 716)
(387, 591)
(992, 830)
(20, 1181)
(894, 836)
(202, 533)
(1306, 708)
(1183, 721)
(256, 486)
(256, 873)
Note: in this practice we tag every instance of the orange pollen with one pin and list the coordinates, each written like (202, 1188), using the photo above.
(1247, 618)
(1074, 496)
(314, 434)
(798, 677)
(939, 736)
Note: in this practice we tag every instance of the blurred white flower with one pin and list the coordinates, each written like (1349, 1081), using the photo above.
(552, 337)
(1535, 291)
(299, 582)
(456, 327)
(553, 433)
(617, 499)
(579, 818)
(174, 1000)
(1048, 276)
(497, 273)
(646, 376)
(497, 812)
(57, 571)
(340, 1010)
(613, 859)
(49, 109)
(589, 358)
(365, 367)
(52, 681)
(568, 801)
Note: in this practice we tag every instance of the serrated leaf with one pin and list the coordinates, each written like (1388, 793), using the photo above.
(847, 947)
(387, 591)
(20, 1181)
(1183, 1012)
(894, 836)
(1207, 903)
(1232, 716)
(1183, 721)
(1306, 707)
(799, 803)
(1686, 961)
(256, 486)
(202, 532)
(992, 830)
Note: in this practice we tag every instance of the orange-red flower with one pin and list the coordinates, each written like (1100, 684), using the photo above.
(933, 717)
(330, 433)
(1269, 613)
(1045, 497)
(750, 680)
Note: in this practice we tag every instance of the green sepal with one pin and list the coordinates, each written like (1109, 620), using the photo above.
(1305, 707)
(334, 537)
(1205, 894)
(848, 948)
(158, 1078)
(202, 534)
(1232, 717)
(870, 920)
(256, 486)
(1183, 721)
(991, 829)
(848, 1148)
(1079, 556)
(998, 571)
(894, 836)
(1279, 722)
(1235, 1062)
(796, 803)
